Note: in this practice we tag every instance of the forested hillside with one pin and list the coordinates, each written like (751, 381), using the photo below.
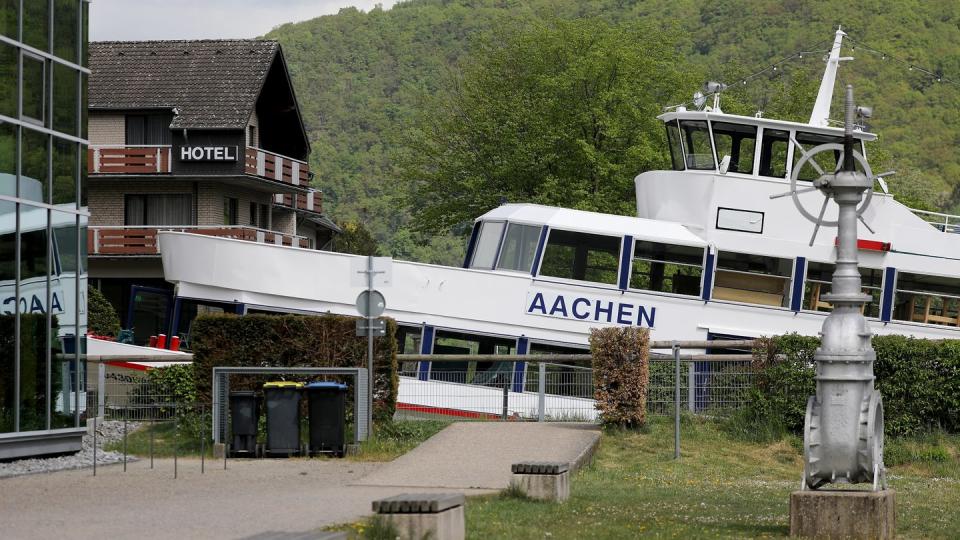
(365, 81)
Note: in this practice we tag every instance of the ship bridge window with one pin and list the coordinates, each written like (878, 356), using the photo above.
(485, 252)
(927, 299)
(519, 247)
(826, 160)
(820, 278)
(666, 268)
(696, 142)
(773, 153)
(676, 147)
(752, 279)
(737, 141)
(496, 374)
(581, 256)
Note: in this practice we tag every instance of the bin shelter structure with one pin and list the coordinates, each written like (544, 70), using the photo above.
(244, 419)
(327, 408)
(282, 402)
(221, 391)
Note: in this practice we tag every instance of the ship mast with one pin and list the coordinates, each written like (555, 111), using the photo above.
(821, 108)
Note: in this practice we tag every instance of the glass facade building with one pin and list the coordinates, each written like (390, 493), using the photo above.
(43, 219)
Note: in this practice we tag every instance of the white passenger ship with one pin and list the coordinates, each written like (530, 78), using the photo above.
(710, 253)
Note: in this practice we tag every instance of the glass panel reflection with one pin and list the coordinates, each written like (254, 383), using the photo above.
(9, 25)
(7, 317)
(33, 179)
(36, 24)
(34, 88)
(65, 99)
(8, 80)
(65, 29)
(64, 172)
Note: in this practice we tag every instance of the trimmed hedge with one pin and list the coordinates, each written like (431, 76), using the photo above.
(102, 318)
(919, 380)
(293, 341)
(621, 374)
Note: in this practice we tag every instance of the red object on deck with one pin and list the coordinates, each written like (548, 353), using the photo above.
(868, 245)
(174, 343)
(162, 341)
(153, 341)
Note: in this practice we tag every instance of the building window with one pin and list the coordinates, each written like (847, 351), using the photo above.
(230, 206)
(264, 216)
(581, 256)
(519, 247)
(253, 214)
(148, 129)
(753, 279)
(737, 141)
(485, 252)
(252, 136)
(927, 299)
(34, 88)
(158, 209)
(666, 268)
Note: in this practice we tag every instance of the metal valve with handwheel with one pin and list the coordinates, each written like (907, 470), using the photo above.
(843, 430)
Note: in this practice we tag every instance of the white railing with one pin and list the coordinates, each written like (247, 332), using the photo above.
(947, 223)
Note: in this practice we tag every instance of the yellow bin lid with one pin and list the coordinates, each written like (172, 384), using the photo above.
(283, 384)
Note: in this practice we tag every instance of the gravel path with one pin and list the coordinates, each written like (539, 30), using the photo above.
(107, 432)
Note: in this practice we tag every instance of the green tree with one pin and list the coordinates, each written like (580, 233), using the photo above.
(102, 318)
(355, 239)
(562, 113)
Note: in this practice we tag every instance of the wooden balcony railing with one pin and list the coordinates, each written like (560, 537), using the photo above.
(276, 167)
(128, 159)
(135, 240)
(312, 201)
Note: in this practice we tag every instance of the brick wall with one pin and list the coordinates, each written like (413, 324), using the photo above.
(211, 197)
(105, 197)
(255, 122)
(106, 128)
(284, 221)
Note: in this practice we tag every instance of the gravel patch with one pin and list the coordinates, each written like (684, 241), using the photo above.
(107, 432)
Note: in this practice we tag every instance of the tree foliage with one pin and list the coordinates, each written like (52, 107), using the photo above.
(562, 114)
(102, 318)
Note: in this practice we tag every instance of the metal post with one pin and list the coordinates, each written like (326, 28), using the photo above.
(153, 426)
(101, 388)
(370, 319)
(176, 440)
(506, 400)
(676, 402)
(541, 391)
(691, 386)
(94, 445)
(203, 440)
(124, 443)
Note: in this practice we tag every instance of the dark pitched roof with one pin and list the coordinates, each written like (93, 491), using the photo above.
(213, 83)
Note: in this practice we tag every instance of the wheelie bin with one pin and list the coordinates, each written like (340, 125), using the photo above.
(282, 400)
(244, 416)
(327, 406)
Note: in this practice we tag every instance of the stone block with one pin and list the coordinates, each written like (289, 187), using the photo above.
(438, 516)
(545, 487)
(219, 449)
(853, 515)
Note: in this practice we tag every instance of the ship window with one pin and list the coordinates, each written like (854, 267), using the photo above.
(519, 247)
(581, 256)
(676, 147)
(752, 279)
(485, 254)
(696, 140)
(820, 277)
(773, 153)
(826, 160)
(666, 268)
(927, 299)
(408, 342)
(498, 374)
(737, 141)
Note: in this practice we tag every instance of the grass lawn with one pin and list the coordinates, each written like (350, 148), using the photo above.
(721, 488)
(390, 439)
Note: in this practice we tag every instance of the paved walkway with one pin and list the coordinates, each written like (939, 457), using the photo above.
(478, 455)
(254, 497)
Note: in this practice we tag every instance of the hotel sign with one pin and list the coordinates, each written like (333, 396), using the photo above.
(208, 153)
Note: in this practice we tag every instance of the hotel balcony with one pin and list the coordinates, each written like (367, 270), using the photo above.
(311, 201)
(283, 174)
(142, 240)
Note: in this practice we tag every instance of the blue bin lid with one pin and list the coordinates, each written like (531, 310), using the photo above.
(326, 385)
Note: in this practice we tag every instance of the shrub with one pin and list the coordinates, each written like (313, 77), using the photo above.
(293, 341)
(918, 379)
(102, 318)
(621, 372)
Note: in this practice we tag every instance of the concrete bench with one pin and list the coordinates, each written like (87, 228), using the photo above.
(437, 516)
(544, 480)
